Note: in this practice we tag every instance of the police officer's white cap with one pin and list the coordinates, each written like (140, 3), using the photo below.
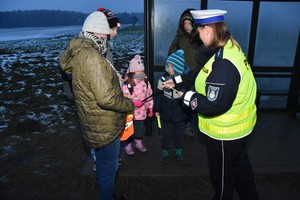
(203, 17)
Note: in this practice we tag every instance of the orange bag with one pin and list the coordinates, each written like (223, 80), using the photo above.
(128, 131)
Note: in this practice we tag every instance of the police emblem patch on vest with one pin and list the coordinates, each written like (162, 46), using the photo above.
(212, 93)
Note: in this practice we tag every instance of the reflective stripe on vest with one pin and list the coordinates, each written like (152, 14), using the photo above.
(224, 131)
(235, 117)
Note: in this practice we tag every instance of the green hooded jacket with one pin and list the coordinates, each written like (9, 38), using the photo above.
(101, 106)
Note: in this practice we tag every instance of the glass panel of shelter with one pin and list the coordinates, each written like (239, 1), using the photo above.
(274, 46)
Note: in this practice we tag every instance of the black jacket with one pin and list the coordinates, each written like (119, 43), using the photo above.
(170, 109)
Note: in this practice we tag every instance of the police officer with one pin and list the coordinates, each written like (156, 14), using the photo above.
(224, 98)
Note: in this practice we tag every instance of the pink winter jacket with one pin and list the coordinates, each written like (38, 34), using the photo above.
(141, 91)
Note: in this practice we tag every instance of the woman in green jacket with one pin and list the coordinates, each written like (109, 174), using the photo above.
(100, 104)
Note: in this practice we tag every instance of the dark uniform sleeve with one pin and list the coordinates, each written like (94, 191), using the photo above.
(186, 80)
(221, 89)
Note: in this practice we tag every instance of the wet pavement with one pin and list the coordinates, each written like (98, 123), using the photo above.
(274, 147)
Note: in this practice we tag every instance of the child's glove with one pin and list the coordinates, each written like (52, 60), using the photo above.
(150, 113)
(138, 103)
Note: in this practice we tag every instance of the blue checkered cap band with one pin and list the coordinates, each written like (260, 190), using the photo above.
(204, 17)
(177, 60)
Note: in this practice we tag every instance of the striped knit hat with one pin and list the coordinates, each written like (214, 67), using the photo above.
(112, 19)
(177, 61)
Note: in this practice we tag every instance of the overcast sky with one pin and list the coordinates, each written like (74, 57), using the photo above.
(85, 6)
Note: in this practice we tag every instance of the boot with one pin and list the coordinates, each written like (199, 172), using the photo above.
(164, 156)
(140, 146)
(128, 149)
(178, 154)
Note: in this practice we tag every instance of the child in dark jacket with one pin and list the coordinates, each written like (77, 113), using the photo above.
(170, 109)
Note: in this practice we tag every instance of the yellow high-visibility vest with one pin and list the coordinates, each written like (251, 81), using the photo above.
(240, 119)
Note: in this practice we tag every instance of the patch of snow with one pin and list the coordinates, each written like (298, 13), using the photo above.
(38, 92)
(37, 32)
(7, 150)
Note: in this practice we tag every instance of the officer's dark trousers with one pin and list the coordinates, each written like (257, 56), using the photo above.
(230, 169)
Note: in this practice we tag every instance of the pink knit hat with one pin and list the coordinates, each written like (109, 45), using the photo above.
(136, 64)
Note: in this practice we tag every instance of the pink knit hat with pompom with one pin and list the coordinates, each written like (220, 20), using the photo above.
(136, 64)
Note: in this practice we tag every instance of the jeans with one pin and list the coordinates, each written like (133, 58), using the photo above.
(106, 169)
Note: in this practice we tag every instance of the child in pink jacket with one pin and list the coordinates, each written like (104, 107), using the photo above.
(139, 89)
